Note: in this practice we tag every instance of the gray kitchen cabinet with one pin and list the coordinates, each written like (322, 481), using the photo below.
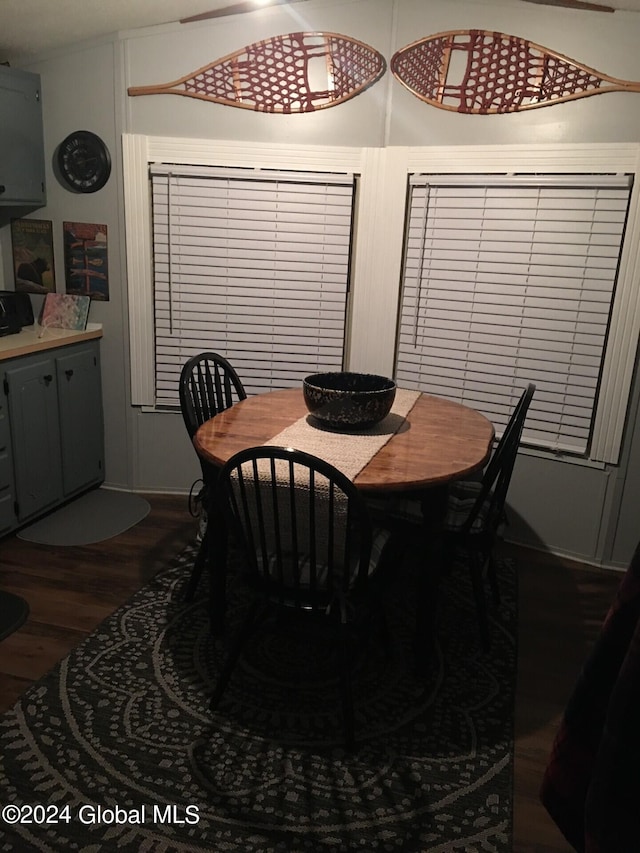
(7, 492)
(22, 161)
(81, 428)
(56, 422)
(30, 385)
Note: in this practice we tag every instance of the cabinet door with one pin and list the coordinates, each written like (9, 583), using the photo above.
(33, 412)
(22, 173)
(81, 421)
(7, 492)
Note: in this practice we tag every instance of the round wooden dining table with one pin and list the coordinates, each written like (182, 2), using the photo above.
(438, 441)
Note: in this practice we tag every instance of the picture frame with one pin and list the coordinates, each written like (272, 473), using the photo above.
(33, 261)
(86, 259)
(65, 311)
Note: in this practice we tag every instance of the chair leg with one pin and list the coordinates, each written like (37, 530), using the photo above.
(481, 601)
(234, 653)
(217, 546)
(382, 625)
(492, 575)
(198, 568)
(347, 692)
(436, 561)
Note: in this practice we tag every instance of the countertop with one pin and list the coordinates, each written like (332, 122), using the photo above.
(35, 339)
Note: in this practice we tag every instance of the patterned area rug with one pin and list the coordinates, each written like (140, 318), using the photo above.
(116, 750)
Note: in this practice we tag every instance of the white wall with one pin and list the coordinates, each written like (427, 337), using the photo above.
(605, 42)
(85, 87)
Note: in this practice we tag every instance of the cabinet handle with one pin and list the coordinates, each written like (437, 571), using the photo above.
(68, 373)
(47, 378)
(2, 188)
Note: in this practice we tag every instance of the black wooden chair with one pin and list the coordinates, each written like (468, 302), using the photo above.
(208, 385)
(474, 514)
(309, 549)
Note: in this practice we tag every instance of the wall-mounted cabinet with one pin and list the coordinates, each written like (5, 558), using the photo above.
(22, 169)
(51, 430)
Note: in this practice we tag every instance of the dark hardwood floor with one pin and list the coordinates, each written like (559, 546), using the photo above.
(561, 609)
(71, 590)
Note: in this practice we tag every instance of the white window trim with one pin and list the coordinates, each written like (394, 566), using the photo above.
(379, 238)
(433, 352)
(625, 319)
(140, 151)
(276, 321)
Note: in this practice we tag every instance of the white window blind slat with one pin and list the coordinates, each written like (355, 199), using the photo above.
(255, 267)
(508, 281)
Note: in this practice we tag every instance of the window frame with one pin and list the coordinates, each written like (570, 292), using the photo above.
(462, 222)
(276, 321)
(139, 154)
(378, 249)
(620, 353)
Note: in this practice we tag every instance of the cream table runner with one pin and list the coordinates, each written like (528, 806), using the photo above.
(349, 452)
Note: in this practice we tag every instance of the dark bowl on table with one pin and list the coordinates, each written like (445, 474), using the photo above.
(348, 401)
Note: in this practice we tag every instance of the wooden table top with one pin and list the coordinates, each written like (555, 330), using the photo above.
(440, 440)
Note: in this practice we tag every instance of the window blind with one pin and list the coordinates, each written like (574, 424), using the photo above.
(252, 265)
(510, 281)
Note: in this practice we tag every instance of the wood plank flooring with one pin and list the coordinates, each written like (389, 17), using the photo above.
(561, 608)
(71, 590)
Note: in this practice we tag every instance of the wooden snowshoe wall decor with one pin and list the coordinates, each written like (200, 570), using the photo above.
(481, 72)
(291, 73)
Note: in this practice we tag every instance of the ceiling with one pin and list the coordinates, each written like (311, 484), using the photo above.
(35, 26)
(29, 27)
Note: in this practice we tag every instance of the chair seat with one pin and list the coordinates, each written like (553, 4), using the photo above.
(460, 502)
(380, 538)
(461, 499)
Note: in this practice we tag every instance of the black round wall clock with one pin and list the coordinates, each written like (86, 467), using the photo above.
(84, 161)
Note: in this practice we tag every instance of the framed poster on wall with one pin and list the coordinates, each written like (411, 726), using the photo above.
(86, 260)
(32, 245)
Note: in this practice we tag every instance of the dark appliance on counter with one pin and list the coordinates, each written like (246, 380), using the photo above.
(16, 312)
